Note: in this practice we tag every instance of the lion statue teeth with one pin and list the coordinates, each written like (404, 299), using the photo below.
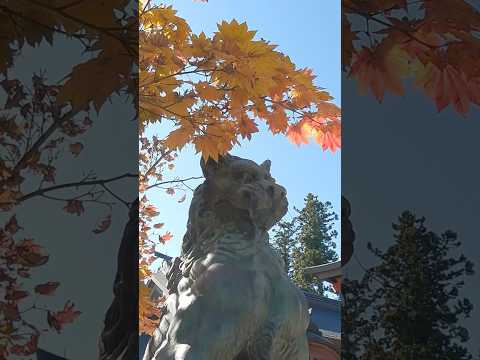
(230, 298)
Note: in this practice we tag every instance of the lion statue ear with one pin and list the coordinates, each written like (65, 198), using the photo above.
(266, 165)
(210, 167)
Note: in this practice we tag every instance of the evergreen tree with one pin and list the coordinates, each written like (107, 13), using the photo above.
(283, 241)
(314, 242)
(412, 297)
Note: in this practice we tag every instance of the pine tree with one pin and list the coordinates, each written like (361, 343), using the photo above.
(314, 243)
(283, 241)
(413, 297)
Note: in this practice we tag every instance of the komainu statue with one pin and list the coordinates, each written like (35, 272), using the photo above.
(230, 298)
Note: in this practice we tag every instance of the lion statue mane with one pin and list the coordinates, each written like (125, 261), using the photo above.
(229, 297)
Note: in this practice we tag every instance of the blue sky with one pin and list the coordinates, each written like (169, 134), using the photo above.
(310, 35)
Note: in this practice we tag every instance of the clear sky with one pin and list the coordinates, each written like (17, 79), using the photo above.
(310, 34)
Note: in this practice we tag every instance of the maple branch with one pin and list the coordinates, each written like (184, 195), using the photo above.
(391, 26)
(175, 182)
(96, 200)
(13, 13)
(164, 154)
(197, 70)
(296, 111)
(187, 118)
(76, 185)
(126, 203)
(105, 30)
(73, 3)
(27, 155)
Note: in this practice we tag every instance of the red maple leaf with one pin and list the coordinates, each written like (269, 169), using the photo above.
(57, 320)
(47, 288)
(74, 207)
(15, 295)
(12, 225)
(30, 254)
(27, 349)
(10, 311)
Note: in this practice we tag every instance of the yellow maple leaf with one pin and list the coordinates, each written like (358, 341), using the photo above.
(177, 138)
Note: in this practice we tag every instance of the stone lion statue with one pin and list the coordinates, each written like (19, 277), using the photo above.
(230, 298)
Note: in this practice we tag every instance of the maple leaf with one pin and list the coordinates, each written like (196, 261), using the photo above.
(76, 148)
(170, 191)
(147, 310)
(296, 134)
(57, 320)
(208, 92)
(277, 120)
(47, 288)
(30, 254)
(12, 225)
(166, 237)
(179, 137)
(10, 311)
(374, 73)
(150, 210)
(74, 206)
(103, 225)
(15, 295)
(207, 147)
(8, 198)
(247, 127)
(446, 86)
(158, 226)
(28, 348)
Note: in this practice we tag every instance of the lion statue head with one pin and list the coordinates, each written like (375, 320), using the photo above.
(237, 194)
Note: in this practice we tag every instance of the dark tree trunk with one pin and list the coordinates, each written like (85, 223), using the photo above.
(348, 235)
(119, 338)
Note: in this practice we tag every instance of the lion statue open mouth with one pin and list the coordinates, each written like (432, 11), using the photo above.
(230, 298)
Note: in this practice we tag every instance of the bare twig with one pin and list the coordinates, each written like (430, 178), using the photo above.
(182, 181)
(76, 185)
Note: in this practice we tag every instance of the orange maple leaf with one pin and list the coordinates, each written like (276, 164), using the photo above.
(76, 148)
(447, 85)
(166, 237)
(375, 73)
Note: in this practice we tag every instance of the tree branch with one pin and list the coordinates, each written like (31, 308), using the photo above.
(76, 185)
(174, 182)
(406, 32)
(44, 137)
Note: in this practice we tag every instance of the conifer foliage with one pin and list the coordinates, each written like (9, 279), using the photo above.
(307, 240)
(411, 300)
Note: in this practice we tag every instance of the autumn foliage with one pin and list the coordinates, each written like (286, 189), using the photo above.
(435, 44)
(42, 122)
(212, 92)
(19, 258)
